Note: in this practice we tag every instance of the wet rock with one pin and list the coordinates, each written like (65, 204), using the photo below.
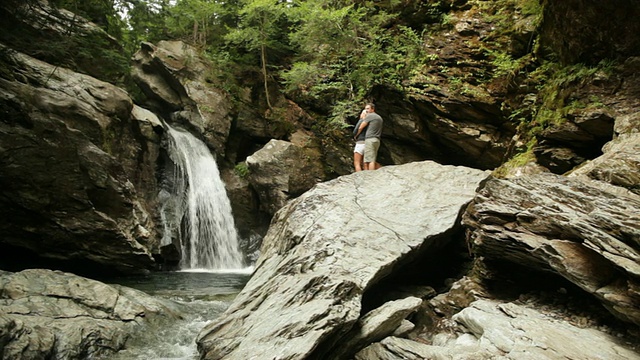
(55, 315)
(376, 325)
(174, 77)
(281, 171)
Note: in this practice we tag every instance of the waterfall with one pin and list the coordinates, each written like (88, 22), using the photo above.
(196, 210)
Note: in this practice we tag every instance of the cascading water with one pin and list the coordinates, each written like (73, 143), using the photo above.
(196, 210)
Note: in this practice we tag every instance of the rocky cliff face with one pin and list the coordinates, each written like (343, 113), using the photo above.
(77, 184)
(589, 31)
(548, 252)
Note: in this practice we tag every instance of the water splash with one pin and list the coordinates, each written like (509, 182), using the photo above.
(196, 210)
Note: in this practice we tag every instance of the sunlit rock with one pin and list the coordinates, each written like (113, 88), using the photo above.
(327, 247)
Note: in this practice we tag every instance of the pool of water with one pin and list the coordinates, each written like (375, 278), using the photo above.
(203, 294)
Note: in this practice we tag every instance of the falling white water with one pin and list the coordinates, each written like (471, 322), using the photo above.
(197, 210)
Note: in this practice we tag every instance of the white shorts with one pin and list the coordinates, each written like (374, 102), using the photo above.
(359, 148)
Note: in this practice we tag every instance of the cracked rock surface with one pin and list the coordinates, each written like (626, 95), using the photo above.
(325, 248)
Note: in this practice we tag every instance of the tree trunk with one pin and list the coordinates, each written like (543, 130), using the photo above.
(263, 55)
(195, 31)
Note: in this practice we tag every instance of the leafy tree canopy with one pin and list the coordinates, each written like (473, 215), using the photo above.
(326, 52)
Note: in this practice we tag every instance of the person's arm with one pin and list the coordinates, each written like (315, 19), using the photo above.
(361, 128)
(356, 127)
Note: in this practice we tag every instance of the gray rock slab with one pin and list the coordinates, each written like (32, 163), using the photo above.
(325, 248)
(491, 329)
(376, 325)
(77, 176)
(572, 227)
(48, 314)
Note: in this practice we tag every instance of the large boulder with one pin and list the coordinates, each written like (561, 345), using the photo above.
(76, 172)
(325, 248)
(583, 231)
(53, 315)
(281, 171)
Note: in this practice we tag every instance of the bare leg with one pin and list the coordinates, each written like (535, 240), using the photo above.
(357, 161)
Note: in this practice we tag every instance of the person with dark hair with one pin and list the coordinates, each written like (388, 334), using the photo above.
(373, 125)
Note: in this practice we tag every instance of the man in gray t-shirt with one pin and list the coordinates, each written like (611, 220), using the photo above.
(373, 124)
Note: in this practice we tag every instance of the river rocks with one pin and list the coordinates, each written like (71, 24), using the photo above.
(490, 329)
(326, 248)
(55, 315)
(72, 162)
(576, 229)
(378, 324)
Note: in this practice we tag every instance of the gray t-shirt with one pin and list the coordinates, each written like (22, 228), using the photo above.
(374, 129)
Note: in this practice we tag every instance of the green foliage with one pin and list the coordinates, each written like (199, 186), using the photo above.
(557, 83)
(259, 26)
(345, 50)
(146, 21)
(196, 21)
(341, 110)
(325, 31)
(101, 12)
(93, 52)
(242, 170)
(221, 71)
(82, 48)
(260, 30)
(501, 12)
(523, 157)
(556, 97)
(504, 64)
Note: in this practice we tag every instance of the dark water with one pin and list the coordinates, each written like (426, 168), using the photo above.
(203, 296)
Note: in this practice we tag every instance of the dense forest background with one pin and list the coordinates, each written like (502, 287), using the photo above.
(325, 55)
(332, 51)
(330, 56)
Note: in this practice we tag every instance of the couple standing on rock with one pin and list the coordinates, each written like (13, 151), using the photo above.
(367, 134)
